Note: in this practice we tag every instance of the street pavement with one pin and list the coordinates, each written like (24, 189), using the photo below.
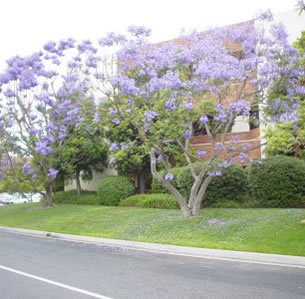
(39, 267)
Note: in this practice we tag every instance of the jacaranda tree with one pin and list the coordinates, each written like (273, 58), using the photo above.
(210, 78)
(40, 97)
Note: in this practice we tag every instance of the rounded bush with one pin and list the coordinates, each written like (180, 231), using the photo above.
(158, 201)
(278, 182)
(112, 189)
(232, 185)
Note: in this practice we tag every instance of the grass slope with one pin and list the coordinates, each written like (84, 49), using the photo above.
(261, 230)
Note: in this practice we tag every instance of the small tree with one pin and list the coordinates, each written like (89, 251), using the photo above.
(211, 78)
(85, 148)
(39, 105)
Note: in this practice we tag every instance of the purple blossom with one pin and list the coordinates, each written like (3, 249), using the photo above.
(50, 47)
(240, 107)
(52, 173)
(27, 168)
(170, 104)
(221, 114)
(187, 134)
(243, 157)
(139, 30)
(201, 153)
(265, 16)
(224, 164)
(214, 173)
(97, 117)
(150, 115)
(127, 86)
(300, 90)
(169, 176)
(111, 111)
(42, 149)
(33, 131)
(32, 117)
(9, 93)
(189, 105)
(112, 39)
(116, 121)
(113, 147)
(204, 119)
(219, 147)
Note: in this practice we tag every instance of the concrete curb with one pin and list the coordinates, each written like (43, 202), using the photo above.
(218, 254)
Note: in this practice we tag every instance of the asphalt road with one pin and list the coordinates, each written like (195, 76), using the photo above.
(33, 267)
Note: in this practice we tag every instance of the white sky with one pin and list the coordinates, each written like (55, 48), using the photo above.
(25, 25)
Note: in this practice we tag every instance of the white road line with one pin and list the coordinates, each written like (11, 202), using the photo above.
(62, 285)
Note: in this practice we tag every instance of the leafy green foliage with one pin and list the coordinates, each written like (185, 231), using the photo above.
(232, 185)
(158, 201)
(71, 197)
(278, 182)
(84, 149)
(288, 138)
(112, 189)
(14, 180)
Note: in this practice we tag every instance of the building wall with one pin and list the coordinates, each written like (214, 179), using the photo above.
(252, 138)
(90, 185)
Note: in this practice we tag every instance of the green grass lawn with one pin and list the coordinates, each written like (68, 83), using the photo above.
(261, 230)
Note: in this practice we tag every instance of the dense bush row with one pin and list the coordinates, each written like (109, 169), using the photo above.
(274, 182)
(70, 197)
(277, 182)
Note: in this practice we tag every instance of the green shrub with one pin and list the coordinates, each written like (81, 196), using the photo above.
(232, 185)
(71, 197)
(112, 189)
(278, 182)
(156, 187)
(158, 201)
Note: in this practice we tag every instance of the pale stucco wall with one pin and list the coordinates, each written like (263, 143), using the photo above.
(90, 185)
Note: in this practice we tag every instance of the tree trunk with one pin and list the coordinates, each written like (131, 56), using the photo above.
(141, 182)
(78, 185)
(47, 202)
(186, 211)
(200, 195)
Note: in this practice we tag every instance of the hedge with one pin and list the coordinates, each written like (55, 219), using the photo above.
(112, 189)
(278, 182)
(71, 197)
(158, 201)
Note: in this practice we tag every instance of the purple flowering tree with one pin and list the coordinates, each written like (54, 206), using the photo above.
(210, 78)
(39, 102)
